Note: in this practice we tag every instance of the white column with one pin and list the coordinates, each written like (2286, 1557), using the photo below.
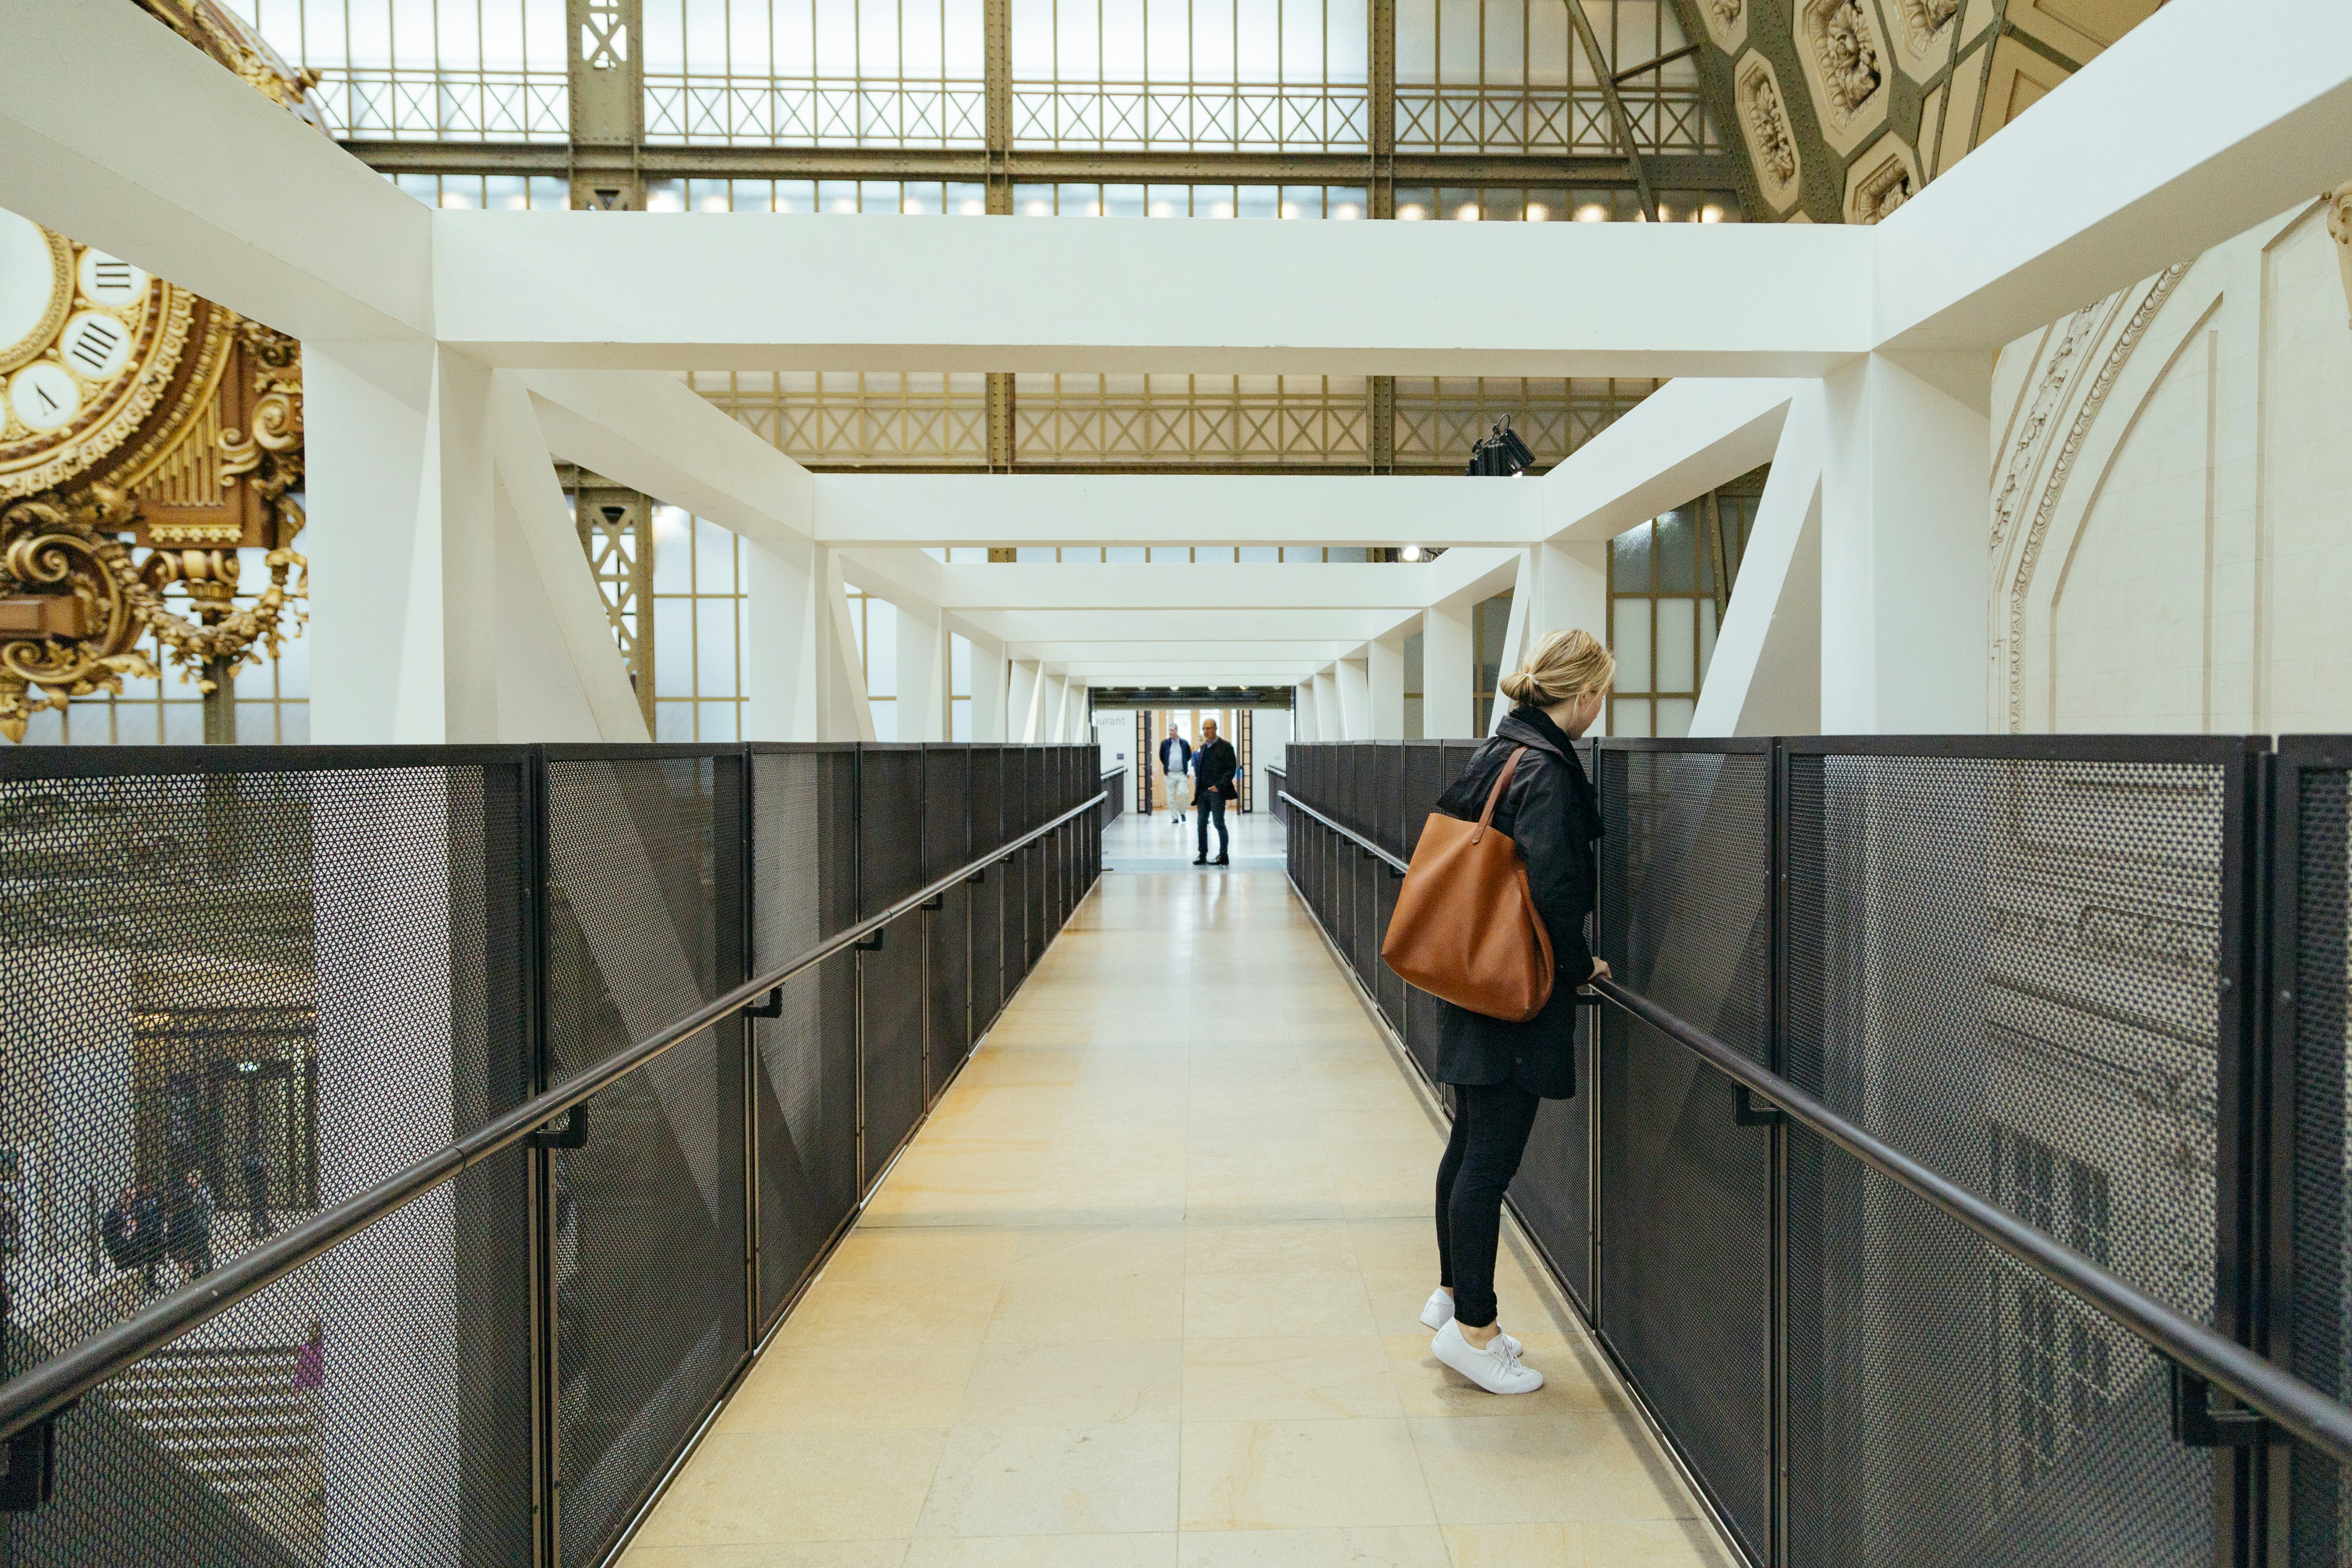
(402, 545)
(1356, 699)
(844, 713)
(1384, 668)
(1517, 638)
(1053, 710)
(1330, 718)
(987, 693)
(1905, 572)
(1077, 726)
(1303, 712)
(922, 674)
(1026, 691)
(781, 602)
(1448, 675)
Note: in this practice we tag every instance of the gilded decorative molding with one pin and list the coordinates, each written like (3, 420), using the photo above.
(1727, 22)
(270, 453)
(74, 605)
(32, 462)
(2093, 400)
(1881, 180)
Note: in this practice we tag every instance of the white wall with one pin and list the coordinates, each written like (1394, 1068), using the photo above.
(2171, 489)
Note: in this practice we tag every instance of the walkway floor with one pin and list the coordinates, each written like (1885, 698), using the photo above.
(1144, 1292)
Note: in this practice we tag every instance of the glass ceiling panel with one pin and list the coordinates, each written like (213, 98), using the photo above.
(428, 70)
(1114, 75)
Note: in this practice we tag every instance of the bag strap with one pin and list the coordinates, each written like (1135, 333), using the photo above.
(1501, 780)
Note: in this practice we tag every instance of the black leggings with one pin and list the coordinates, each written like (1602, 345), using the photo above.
(1491, 1123)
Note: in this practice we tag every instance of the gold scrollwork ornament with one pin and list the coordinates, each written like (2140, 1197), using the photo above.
(79, 603)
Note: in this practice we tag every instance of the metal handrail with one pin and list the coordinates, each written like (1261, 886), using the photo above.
(1399, 866)
(48, 1388)
(2278, 1395)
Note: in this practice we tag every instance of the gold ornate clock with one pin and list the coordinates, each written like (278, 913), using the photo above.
(134, 413)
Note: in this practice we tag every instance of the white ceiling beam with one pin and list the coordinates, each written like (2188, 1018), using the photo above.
(1681, 441)
(778, 291)
(1040, 510)
(1352, 626)
(1081, 585)
(652, 433)
(2202, 121)
(117, 131)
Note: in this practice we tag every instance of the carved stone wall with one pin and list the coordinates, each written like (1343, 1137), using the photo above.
(2171, 471)
(1870, 100)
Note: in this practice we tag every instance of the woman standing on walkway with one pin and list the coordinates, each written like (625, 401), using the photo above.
(1501, 1070)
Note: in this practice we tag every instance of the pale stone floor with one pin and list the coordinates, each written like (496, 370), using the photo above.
(1144, 1292)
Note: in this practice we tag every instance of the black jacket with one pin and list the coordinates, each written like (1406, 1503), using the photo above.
(1212, 768)
(1183, 748)
(1550, 812)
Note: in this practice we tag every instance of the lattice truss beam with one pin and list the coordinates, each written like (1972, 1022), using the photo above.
(876, 419)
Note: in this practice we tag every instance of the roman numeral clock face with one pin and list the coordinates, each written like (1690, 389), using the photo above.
(88, 344)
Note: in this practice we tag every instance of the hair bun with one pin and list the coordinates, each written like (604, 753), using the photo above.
(1519, 686)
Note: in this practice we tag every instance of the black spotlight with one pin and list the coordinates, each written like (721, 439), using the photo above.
(1501, 452)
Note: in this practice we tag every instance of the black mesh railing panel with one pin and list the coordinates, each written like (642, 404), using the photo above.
(947, 844)
(1950, 1409)
(988, 895)
(1388, 790)
(1037, 801)
(1685, 1293)
(632, 901)
(287, 1432)
(890, 979)
(238, 991)
(1553, 1190)
(805, 1092)
(649, 1242)
(2007, 968)
(1425, 779)
(649, 1280)
(1388, 989)
(2321, 1332)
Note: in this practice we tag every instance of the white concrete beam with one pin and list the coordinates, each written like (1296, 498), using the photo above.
(652, 433)
(1765, 676)
(1092, 586)
(115, 130)
(1681, 441)
(773, 291)
(1041, 509)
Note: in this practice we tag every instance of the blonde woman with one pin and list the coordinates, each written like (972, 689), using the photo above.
(1501, 1071)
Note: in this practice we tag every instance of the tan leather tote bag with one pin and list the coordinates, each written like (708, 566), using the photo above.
(1466, 926)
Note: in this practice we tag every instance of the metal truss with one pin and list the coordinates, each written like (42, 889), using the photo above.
(1686, 171)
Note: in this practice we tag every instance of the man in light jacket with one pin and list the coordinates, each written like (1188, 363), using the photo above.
(1175, 763)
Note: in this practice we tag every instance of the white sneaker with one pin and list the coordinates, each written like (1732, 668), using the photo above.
(1495, 1369)
(1438, 1311)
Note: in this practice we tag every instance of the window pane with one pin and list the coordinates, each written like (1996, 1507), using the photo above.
(714, 558)
(1629, 558)
(1677, 649)
(673, 722)
(673, 648)
(1631, 717)
(1706, 637)
(1678, 551)
(882, 648)
(1630, 642)
(714, 643)
(1675, 715)
(673, 560)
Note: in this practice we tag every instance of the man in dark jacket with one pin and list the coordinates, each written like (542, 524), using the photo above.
(1214, 766)
(1175, 761)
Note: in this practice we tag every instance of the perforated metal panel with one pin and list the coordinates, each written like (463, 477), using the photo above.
(1389, 796)
(947, 844)
(1685, 1204)
(890, 979)
(286, 973)
(988, 895)
(2006, 966)
(2315, 924)
(804, 855)
(642, 855)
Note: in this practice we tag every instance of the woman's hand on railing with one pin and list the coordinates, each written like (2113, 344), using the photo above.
(1600, 970)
